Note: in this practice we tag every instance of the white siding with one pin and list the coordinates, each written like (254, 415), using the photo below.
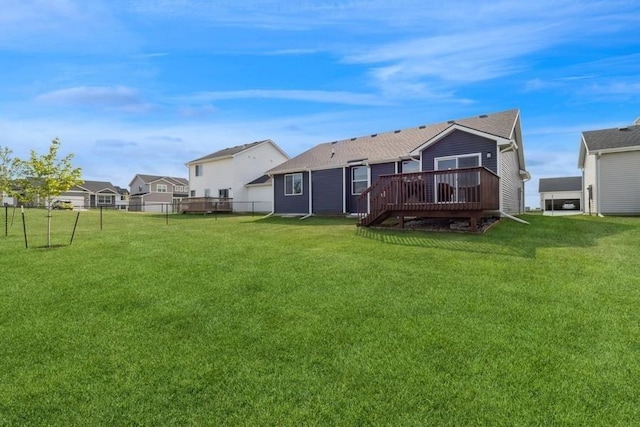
(620, 183)
(510, 182)
(261, 196)
(590, 179)
(235, 172)
(216, 174)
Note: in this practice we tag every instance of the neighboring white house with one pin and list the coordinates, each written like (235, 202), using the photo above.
(562, 193)
(610, 159)
(237, 173)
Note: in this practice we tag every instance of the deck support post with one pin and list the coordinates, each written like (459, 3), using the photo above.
(401, 221)
(473, 222)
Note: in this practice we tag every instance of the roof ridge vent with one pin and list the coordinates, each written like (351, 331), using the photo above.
(397, 131)
(353, 139)
(451, 122)
(483, 116)
(373, 135)
(623, 128)
(422, 127)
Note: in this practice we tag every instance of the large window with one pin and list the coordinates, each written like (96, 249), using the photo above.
(223, 193)
(207, 192)
(105, 199)
(457, 186)
(293, 184)
(359, 179)
(161, 188)
(198, 170)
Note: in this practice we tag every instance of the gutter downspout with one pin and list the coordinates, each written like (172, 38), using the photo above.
(310, 214)
(598, 201)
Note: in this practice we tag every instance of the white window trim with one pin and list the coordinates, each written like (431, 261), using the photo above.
(164, 186)
(196, 168)
(456, 157)
(301, 184)
(352, 181)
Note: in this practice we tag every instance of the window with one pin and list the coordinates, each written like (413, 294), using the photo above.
(223, 193)
(457, 186)
(198, 170)
(293, 184)
(359, 179)
(207, 192)
(193, 193)
(180, 189)
(161, 188)
(105, 199)
(410, 166)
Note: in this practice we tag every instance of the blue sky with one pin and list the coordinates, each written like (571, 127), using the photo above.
(142, 86)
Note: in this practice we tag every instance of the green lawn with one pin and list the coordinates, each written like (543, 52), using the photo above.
(249, 321)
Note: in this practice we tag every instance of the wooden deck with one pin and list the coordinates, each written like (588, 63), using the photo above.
(206, 205)
(457, 193)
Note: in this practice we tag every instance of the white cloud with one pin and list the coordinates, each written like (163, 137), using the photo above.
(335, 97)
(118, 97)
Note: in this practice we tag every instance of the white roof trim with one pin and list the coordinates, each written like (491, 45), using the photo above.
(455, 126)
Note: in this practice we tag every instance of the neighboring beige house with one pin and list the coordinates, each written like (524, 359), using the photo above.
(153, 193)
(609, 160)
(237, 173)
(91, 194)
(561, 193)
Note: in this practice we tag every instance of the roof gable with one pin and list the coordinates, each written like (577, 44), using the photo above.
(398, 144)
(234, 151)
(564, 183)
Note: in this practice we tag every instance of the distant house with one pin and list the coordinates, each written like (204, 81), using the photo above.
(122, 199)
(562, 193)
(153, 193)
(91, 194)
(610, 159)
(467, 167)
(237, 173)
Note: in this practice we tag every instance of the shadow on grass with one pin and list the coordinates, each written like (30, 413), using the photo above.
(510, 238)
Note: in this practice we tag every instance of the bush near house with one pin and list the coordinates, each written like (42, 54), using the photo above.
(242, 321)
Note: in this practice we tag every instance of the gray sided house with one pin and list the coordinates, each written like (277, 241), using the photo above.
(153, 193)
(91, 194)
(561, 193)
(610, 160)
(463, 167)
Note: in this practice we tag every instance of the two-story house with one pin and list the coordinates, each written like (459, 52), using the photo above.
(153, 193)
(237, 173)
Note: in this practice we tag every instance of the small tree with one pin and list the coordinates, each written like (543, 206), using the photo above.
(45, 177)
(8, 172)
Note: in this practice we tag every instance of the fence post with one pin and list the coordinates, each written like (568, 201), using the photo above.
(74, 228)
(24, 229)
(6, 220)
(167, 214)
(252, 208)
(100, 217)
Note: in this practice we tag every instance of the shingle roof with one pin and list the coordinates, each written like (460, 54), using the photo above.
(564, 183)
(150, 178)
(226, 152)
(612, 138)
(96, 186)
(394, 144)
(261, 180)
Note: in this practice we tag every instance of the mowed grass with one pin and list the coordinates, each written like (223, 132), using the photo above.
(249, 321)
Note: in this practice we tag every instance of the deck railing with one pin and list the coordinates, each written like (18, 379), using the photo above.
(468, 189)
(206, 204)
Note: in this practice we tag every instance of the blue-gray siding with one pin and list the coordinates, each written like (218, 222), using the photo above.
(290, 204)
(382, 169)
(328, 193)
(460, 143)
